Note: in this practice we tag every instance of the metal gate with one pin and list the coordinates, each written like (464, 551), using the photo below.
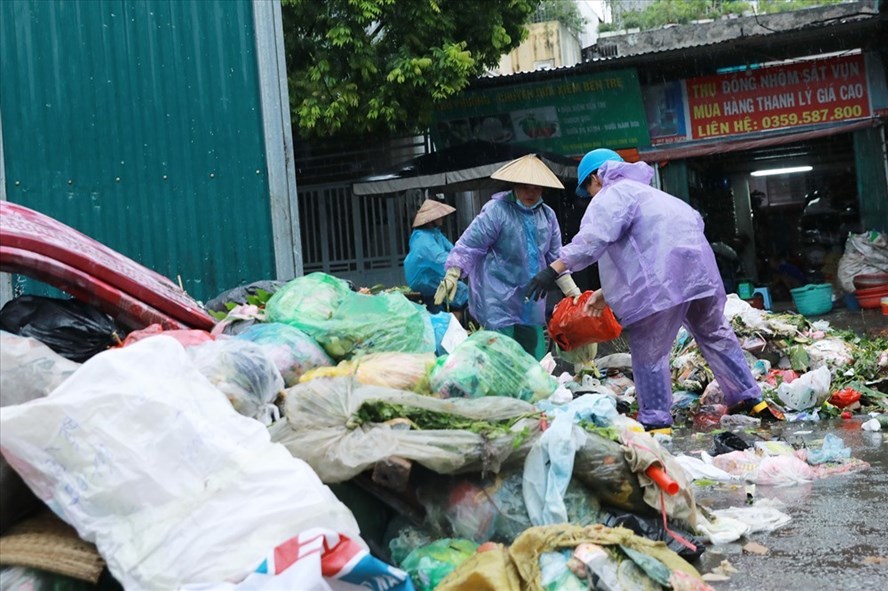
(362, 238)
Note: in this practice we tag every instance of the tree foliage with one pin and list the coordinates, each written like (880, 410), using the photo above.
(565, 12)
(379, 66)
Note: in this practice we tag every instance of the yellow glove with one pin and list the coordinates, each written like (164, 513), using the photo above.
(447, 288)
(567, 286)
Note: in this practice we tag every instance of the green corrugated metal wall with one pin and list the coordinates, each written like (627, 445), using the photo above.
(139, 124)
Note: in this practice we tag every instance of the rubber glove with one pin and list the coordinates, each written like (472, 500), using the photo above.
(541, 283)
(447, 287)
(595, 305)
(567, 286)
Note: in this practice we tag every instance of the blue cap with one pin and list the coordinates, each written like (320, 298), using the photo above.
(591, 162)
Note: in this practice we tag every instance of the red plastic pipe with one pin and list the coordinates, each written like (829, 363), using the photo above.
(658, 475)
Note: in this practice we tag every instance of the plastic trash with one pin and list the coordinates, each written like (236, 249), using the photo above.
(765, 515)
(320, 560)
(601, 567)
(697, 469)
(243, 293)
(71, 328)
(844, 397)
(28, 370)
(832, 450)
(871, 425)
(293, 352)
(187, 338)
(708, 417)
(653, 528)
(727, 442)
(400, 371)
(739, 421)
(18, 578)
(429, 565)
(141, 423)
(571, 327)
(243, 372)
(548, 469)
(783, 471)
(346, 323)
(491, 364)
(555, 575)
(808, 391)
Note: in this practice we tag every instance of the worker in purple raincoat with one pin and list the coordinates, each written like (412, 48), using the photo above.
(658, 273)
(513, 237)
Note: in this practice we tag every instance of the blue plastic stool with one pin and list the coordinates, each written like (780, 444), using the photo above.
(766, 295)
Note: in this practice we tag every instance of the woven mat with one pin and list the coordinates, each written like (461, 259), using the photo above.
(47, 543)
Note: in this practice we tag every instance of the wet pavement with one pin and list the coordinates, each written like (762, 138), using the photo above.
(838, 536)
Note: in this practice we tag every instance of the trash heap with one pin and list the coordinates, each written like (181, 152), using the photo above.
(808, 370)
(196, 460)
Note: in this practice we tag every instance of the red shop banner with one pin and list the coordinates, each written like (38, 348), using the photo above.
(806, 93)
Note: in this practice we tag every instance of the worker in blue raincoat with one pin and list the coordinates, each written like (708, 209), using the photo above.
(658, 273)
(513, 237)
(429, 248)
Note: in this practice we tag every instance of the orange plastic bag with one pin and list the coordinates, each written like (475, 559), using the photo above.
(571, 327)
(187, 337)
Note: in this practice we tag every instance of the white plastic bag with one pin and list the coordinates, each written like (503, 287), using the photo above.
(243, 371)
(321, 428)
(764, 516)
(145, 458)
(808, 391)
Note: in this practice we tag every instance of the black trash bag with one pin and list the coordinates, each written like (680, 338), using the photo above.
(652, 528)
(71, 328)
(238, 295)
(727, 442)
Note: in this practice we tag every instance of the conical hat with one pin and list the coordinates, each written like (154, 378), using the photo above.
(430, 211)
(528, 170)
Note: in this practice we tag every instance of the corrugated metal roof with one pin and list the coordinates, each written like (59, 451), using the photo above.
(139, 124)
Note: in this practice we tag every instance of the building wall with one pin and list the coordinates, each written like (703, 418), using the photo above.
(548, 45)
(140, 124)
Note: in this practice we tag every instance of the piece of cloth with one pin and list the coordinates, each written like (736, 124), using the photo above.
(531, 338)
(498, 572)
(650, 248)
(500, 251)
(651, 338)
(424, 267)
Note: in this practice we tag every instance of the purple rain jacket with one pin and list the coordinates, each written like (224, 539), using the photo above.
(649, 245)
(500, 252)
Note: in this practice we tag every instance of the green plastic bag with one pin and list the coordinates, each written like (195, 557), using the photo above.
(306, 302)
(346, 323)
(427, 566)
(491, 364)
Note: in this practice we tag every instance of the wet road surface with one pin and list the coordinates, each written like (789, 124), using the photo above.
(838, 536)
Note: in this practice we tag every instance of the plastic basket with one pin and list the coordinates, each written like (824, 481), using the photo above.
(813, 300)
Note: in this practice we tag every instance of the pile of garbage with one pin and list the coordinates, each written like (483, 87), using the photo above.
(196, 460)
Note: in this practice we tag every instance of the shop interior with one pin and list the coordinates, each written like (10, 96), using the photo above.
(778, 217)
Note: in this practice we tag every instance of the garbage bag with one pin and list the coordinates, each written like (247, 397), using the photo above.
(346, 323)
(144, 457)
(491, 364)
(240, 295)
(307, 301)
(572, 327)
(808, 391)
(293, 352)
(318, 559)
(243, 372)
(187, 338)
(341, 428)
(28, 370)
(71, 328)
(429, 565)
(493, 508)
(399, 371)
(832, 450)
(601, 466)
(654, 529)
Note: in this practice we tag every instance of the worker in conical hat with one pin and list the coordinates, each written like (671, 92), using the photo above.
(429, 248)
(513, 238)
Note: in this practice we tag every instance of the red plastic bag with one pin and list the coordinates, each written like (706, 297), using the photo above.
(571, 327)
(187, 338)
(844, 397)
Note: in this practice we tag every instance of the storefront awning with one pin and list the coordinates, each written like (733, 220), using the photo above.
(710, 148)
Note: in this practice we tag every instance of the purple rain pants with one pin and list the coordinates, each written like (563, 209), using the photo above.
(650, 342)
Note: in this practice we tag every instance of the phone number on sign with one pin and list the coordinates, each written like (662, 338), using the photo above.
(816, 116)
